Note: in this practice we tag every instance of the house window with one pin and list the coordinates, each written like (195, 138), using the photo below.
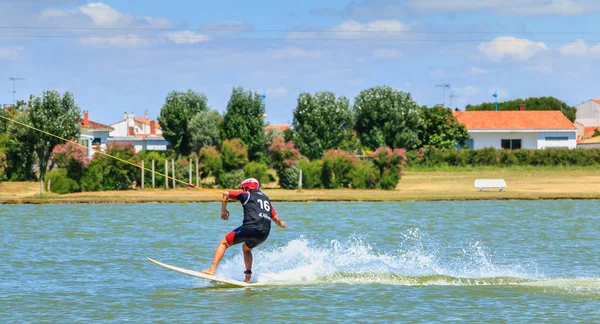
(511, 144)
(557, 138)
(97, 141)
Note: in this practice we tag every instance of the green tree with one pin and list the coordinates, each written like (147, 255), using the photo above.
(175, 115)
(204, 130)
(533, 103)
(55, 115)
(441, 129)
(387, 117)
(18, 142)
(321, 122)
(244, 119)
(596, 132)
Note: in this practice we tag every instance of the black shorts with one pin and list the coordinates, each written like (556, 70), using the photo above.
(252, 237)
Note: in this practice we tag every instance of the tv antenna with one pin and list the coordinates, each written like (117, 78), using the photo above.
(14, 90)
(452, 96)
(444, 87)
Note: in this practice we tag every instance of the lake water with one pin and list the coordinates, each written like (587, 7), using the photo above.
(503, 261)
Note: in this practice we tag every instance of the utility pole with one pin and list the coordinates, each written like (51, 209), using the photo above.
(452, 96)
(14, 90)
(444, 87)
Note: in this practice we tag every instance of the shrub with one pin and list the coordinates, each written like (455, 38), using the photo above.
(389, 179)
(234, 155)
(311, 174)
(486, 156)
(210, 162)
(71, 157)
(258, 171)
(110, 173)
(386, 158)
(365, 176)
(288, 178)
(336, 169)
(507, 158)
(3, 166)
(232, 179)
(60, 183)
(283, 154)
(159, 167)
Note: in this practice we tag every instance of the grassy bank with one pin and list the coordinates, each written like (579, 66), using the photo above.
(414, 186)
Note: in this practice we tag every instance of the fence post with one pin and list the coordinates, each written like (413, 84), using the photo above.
(197, 177)
(300, 180)
(166, 174)
(153, 174)
(173, 171)
(190, 171)
(143, 174)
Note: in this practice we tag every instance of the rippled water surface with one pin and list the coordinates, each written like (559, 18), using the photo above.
(509, 261)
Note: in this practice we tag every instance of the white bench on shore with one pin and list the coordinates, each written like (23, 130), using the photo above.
(490, 183)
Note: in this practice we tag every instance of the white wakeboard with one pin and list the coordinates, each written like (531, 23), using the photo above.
(204, 275)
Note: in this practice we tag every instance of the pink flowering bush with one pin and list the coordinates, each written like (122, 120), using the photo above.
(3, 166)
(71, 157)
(390, 163)
(283, 154)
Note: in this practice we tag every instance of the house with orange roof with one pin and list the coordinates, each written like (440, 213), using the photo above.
(588, 113)
(93, 134)
(593, 142)
(518, 129)
(281, 127)
(142, 133)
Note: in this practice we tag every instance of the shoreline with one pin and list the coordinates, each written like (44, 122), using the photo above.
(414, 186)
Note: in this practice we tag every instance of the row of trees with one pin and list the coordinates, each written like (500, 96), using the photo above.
(380, 116)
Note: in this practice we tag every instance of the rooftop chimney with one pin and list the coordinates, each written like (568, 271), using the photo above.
(125, 115)
(86, 119)
(522, 107)
(146, 114)
(152, 127)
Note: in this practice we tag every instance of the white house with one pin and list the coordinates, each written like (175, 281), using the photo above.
(518, 129)
(588, 113)
(93, 135)
(142, 133)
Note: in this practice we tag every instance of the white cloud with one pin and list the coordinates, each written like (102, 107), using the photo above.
(478, 71)
(579, 47)
(385, 53)
(101, 15)
(228, 26)
(276, 92)
(353, 29)
(293, 53)
(467, 91)
(129, 40)
(517, 48)
(186, 37)
(512, 7)
(11, 53)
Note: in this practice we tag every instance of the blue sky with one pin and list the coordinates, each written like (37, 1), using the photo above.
(98, 50)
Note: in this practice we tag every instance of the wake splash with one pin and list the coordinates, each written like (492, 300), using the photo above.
(355, 261)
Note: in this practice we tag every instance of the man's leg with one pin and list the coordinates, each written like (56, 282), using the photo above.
(219, 252)
(247, 261)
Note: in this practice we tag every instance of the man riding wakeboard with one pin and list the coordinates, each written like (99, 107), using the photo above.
(258, 214)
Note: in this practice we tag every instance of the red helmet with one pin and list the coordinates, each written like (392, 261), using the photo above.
(250, 184)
